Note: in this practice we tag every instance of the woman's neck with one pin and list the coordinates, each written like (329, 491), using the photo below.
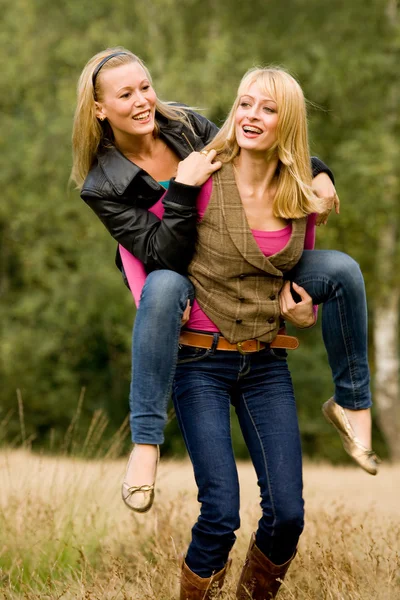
(256, 181)
(137, 148)
(255, 172)
(150, 154)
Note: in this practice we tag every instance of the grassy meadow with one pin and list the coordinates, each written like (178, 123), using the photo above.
(65, 533)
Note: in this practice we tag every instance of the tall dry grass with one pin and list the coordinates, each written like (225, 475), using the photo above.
(65, 533)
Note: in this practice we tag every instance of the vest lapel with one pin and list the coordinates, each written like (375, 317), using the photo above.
(231, 205)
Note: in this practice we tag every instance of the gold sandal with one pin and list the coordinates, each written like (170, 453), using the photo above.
(367, 459)
(139, 498)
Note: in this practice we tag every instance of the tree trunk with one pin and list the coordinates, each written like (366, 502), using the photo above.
(386, 314)
(386, 344)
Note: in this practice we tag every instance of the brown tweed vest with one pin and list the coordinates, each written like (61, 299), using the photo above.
(236, 285)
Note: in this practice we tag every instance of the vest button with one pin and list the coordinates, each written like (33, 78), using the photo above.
(241, 299)
(238, 321)
(272, 297)
(271, 320)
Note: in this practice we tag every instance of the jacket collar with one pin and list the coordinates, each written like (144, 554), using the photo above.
(120, 171)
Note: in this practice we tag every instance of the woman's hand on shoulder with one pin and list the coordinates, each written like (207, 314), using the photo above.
(324, 189)
(300, 314)
(196, 168)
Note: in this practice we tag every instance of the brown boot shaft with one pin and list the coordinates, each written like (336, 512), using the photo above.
(194, 587)
(258, 580)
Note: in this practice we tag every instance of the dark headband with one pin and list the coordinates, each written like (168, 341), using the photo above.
(103, 62)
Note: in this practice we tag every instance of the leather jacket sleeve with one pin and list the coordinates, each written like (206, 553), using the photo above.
(318, 167)
(166, 243)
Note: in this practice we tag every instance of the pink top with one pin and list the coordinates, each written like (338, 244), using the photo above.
(269, 242)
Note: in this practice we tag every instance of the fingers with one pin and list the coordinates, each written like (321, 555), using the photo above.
(331, 202)
(209, 156)
(321, 219)
(301, 314)
(286, 301)
(196, 168)
(305, 296)
(186, 313)
(337, 204)
(216, 165)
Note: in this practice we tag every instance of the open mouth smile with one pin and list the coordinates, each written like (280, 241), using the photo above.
(252, 129)
(144, 116)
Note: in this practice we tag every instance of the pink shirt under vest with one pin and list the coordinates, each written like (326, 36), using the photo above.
(269, 242)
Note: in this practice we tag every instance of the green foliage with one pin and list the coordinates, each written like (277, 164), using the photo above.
(66, 317)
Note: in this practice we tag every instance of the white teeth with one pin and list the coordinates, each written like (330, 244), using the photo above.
(252, 129)
(143, 116)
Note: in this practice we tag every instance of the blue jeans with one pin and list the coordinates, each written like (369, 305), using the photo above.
(154, 352)
(330, 277)
(334, 279)
(260, 388)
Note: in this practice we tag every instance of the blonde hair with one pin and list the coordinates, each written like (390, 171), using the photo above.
(88, 133)
(294, 196)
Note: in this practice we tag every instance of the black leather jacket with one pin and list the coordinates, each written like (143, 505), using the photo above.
(120, 193)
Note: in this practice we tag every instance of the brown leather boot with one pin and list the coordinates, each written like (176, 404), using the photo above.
(258, 579)
(194, 587)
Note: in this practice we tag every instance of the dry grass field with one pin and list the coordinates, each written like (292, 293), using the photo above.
(65, 533)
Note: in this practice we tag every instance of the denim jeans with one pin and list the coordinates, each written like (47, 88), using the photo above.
(154, 352)
(331, 278)
(334, 279)
(260, 388)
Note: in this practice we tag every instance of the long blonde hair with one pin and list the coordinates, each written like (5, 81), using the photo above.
(88, 133)
(294, 196)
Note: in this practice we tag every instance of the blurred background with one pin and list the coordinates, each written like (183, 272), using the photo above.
(66, 317)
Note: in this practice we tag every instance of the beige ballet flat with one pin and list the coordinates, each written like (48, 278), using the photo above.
(367, 459)
(139, 498)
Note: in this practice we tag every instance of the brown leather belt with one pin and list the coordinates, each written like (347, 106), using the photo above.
(205, 340)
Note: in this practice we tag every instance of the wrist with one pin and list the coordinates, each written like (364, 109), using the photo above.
(181, 193)
(310, 324)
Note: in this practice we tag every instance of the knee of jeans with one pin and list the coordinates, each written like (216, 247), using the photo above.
(225, 522)
(230, 520)
(167, 289)
(221, 513)
(343, 269)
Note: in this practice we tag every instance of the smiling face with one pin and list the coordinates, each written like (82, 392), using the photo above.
(256, 120)
(127, 100)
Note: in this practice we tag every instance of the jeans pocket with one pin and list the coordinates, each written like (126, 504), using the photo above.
(191, 354)
(278, 353)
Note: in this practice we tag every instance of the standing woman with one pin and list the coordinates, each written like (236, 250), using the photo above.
(254, 227)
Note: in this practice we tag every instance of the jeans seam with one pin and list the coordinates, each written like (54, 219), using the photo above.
(344, 329)
(265, 464)
(183, 430)
(173, 370)
(348, 345)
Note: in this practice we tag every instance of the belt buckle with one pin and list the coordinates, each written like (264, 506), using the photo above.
(242, 351)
